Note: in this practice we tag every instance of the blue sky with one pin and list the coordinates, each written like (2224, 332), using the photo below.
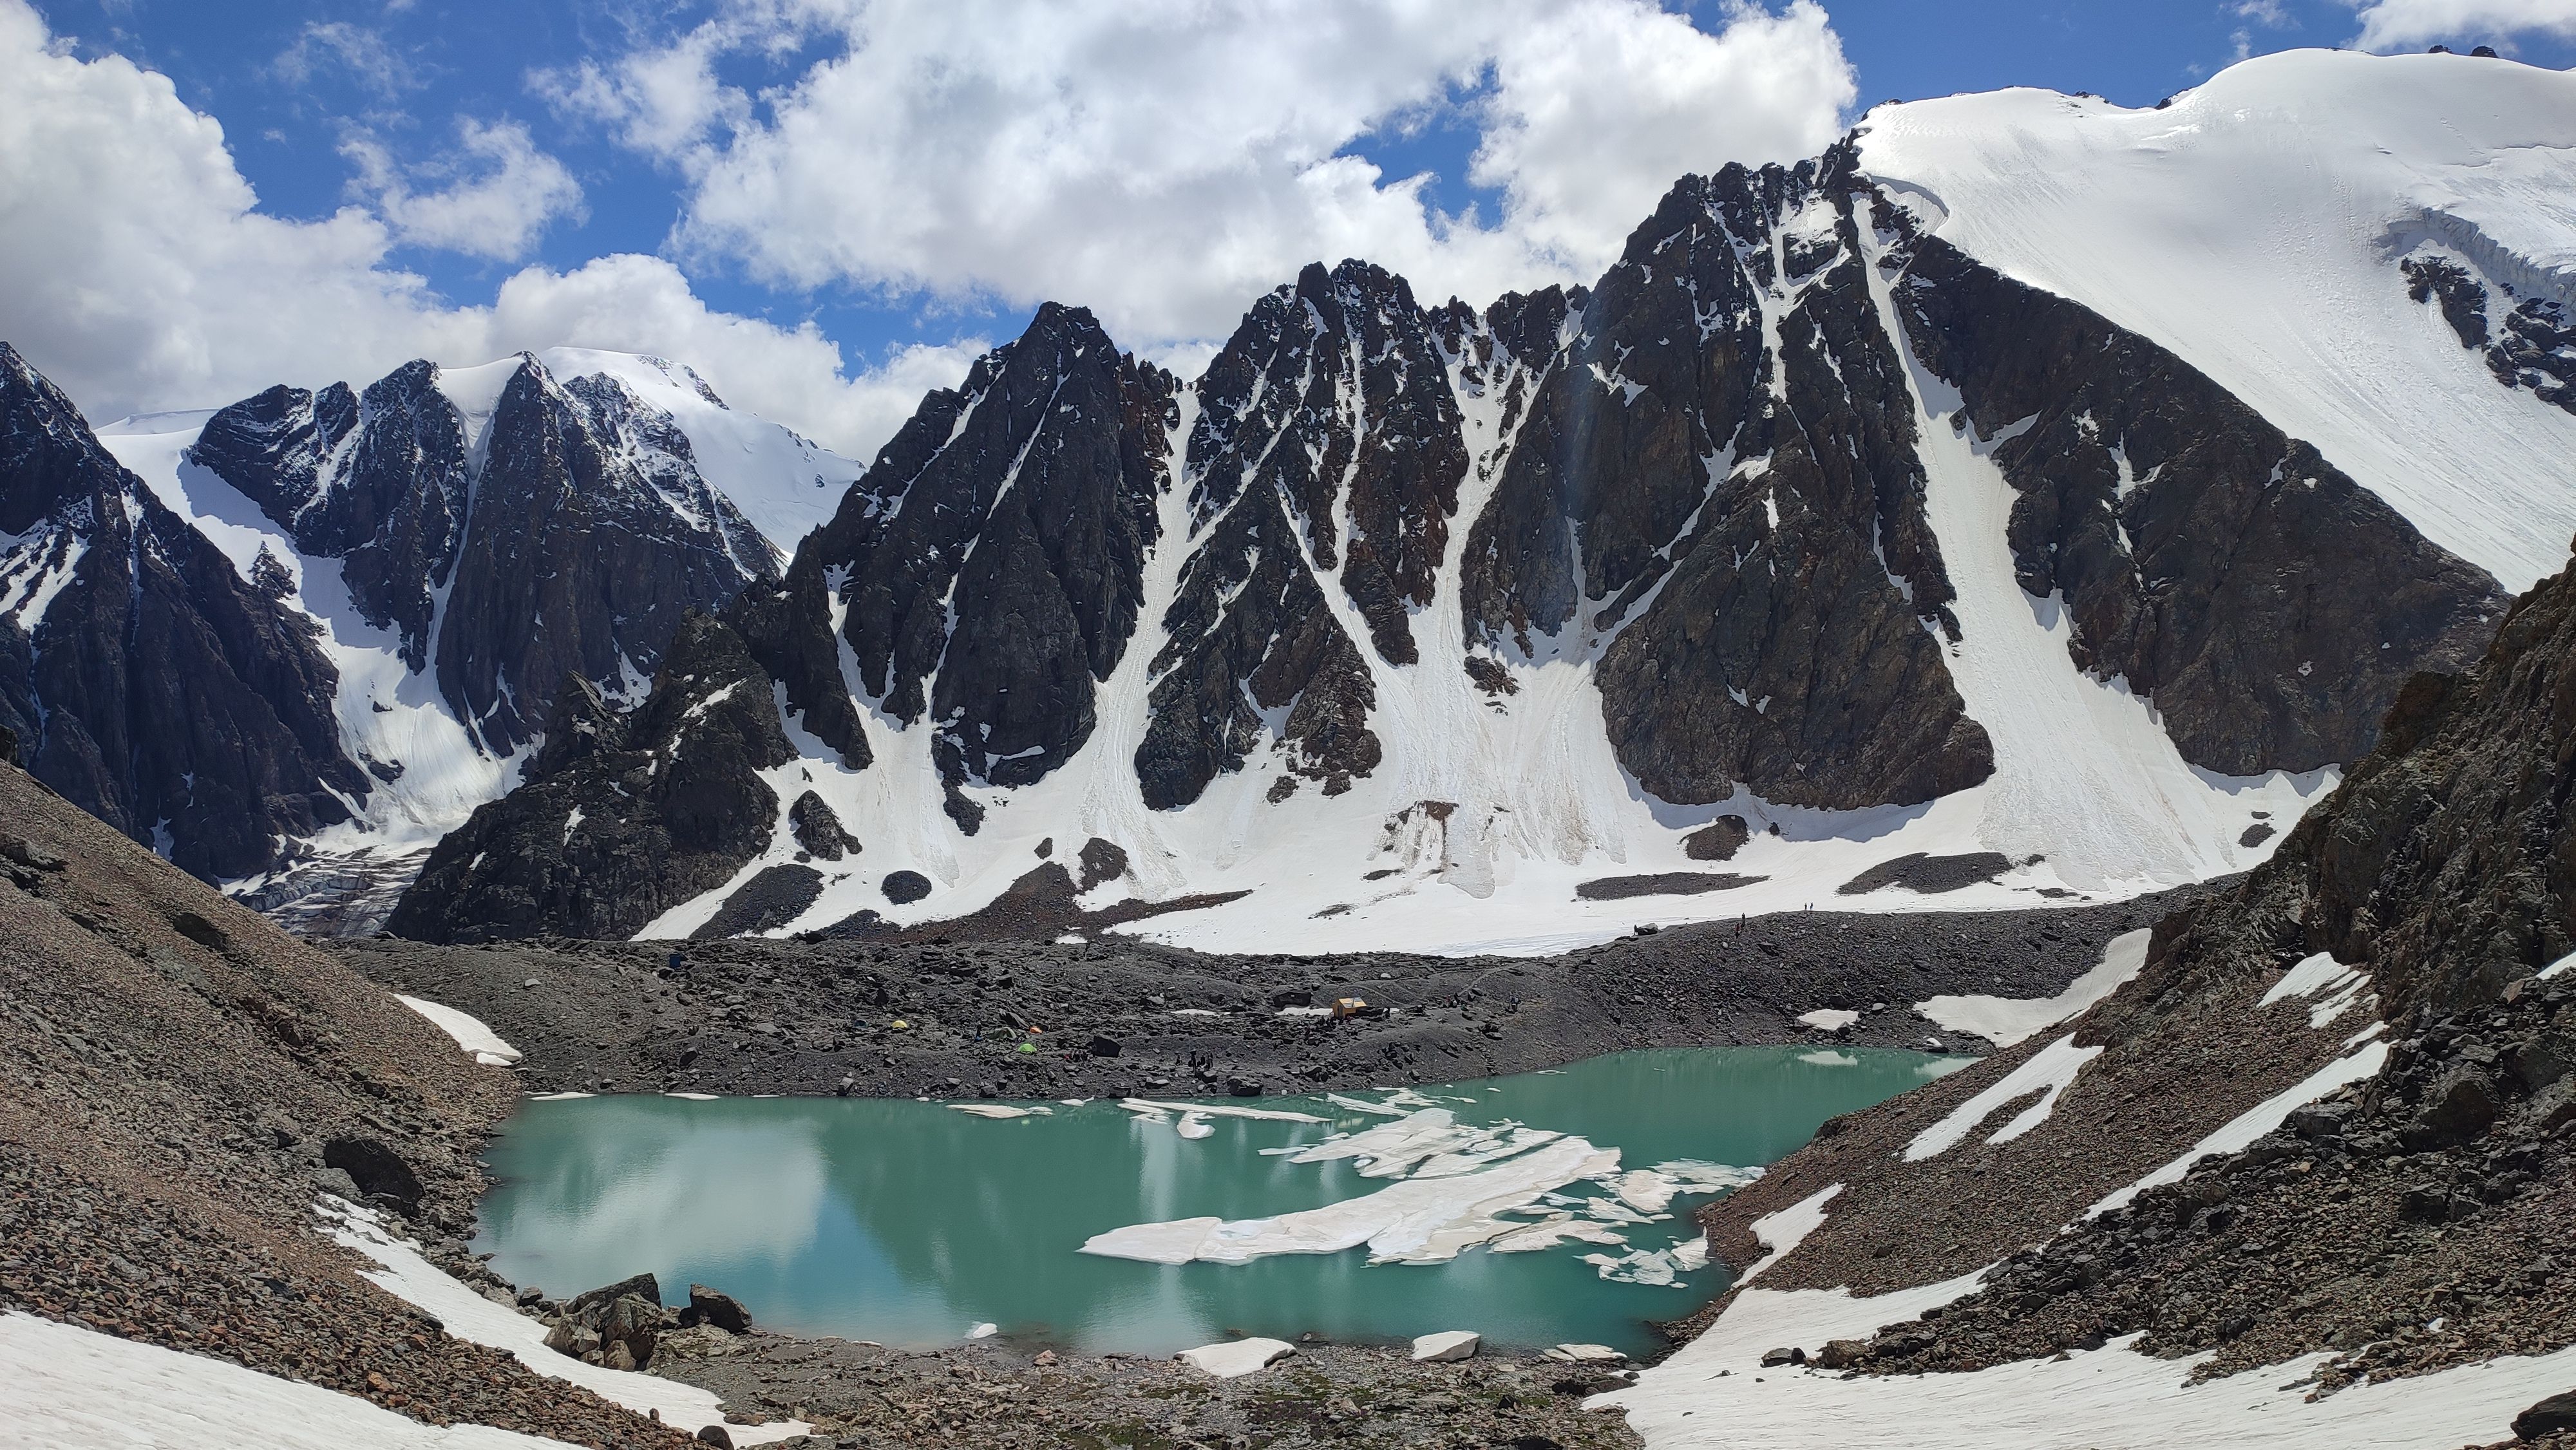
(327, 106)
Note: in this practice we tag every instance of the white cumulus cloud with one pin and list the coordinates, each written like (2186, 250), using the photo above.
(2393, 24)
(142, 274)
(499, 193)
(1165, 161)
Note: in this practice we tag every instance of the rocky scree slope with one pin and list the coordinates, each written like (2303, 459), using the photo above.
(2413, 1219)
(1121, 1018)
(1361, 553)
(179, 1083)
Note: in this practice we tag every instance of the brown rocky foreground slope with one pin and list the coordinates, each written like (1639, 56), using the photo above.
(179, 1080)
(2418, 1217)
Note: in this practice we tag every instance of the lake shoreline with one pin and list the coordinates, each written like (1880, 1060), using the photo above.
(760, 1017)
(1118, 1018)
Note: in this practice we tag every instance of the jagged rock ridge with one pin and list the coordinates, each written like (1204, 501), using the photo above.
(1701, 480)
(564, 536)
(145, 678)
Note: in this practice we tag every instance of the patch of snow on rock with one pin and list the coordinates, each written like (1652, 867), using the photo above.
(2010, 1021)
(2047, 1073)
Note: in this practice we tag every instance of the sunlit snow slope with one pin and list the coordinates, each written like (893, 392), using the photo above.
(2254, 225)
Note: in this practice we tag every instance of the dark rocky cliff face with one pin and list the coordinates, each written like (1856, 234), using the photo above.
(591, 536)
(571, 547)
(378, 480)
(1779, 595)
(144, 677)
(2270, 605)
(1328, 442)
(624, 816)
(989, 567)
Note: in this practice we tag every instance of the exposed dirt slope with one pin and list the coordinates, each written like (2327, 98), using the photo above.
(178, 1081)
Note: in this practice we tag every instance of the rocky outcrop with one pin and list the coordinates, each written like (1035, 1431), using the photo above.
(566, 537)
(2533, 346)
(988, 570)
(145, 677)
(379, 480)
(2278, 650)
(624, 816)
(2407, 1221)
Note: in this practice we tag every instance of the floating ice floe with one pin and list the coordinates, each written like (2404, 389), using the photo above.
(692, 1097)
(1556, 1229)
(983, 1331)
(1194, 1125)
(1150, 1107)
(1417, 1221)
(1638, 1266)
(1000, 1110)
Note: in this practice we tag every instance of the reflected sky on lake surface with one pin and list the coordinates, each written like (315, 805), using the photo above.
(908, 1222)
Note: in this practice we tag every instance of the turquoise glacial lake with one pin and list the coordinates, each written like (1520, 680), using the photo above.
(910, 1223)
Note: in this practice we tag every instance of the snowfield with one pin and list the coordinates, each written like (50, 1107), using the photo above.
(69, 1388)
(2253, 226)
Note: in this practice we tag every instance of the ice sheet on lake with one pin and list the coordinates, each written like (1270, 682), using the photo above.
(1423, 1220)
(1154, 1108)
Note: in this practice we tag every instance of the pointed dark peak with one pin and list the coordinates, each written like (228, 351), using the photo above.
(50, 461)
(272, 447)
(996, 547)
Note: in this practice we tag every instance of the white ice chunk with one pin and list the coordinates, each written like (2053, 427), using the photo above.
(1447, 1345)
(1829, 1019)
(1238, 1358)
(1000, 1110)
(1218, 1110)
